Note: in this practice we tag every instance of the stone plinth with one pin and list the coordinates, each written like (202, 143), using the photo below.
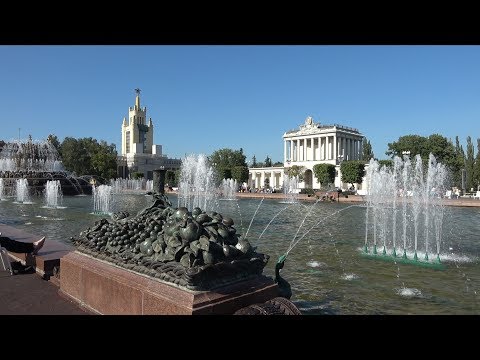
(107, 289)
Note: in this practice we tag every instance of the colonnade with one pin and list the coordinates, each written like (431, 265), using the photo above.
(316, 148)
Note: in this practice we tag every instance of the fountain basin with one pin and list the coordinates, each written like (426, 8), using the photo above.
(433, 264)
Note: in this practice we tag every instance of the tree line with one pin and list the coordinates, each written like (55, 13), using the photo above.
(451, 155)
(87, 156)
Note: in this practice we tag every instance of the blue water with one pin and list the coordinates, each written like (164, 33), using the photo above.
(326, 269)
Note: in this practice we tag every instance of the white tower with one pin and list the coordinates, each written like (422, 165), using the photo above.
(137, 135)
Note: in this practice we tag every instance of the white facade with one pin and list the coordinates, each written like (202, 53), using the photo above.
(313, 143)
(273, 176)
(139, 154)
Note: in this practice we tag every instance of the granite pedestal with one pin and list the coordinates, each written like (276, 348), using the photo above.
(105, 288)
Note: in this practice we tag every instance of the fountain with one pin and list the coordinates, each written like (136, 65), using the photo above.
(2, 190)
(134, 186)
(21, 191)
(319, 268)
(193, 248)
(203, 242)
(38, 162)
(102, 200)
(149, 185)
(407, 195)
(197, 184)
(290, 189)
(229, 189)
(53, 194)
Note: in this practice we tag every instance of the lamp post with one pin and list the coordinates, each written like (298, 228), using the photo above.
(340, 160)
(159, 180)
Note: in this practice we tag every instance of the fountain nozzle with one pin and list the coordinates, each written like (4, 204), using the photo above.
(282, 259)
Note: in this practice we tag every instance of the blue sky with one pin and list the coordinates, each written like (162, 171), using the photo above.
(204, 98)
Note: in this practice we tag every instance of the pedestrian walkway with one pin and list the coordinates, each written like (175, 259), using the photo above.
(29, 294)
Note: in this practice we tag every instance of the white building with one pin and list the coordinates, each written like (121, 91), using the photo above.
(312, 143)
(139, 154)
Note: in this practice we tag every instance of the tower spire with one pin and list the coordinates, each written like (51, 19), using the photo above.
(137, 99)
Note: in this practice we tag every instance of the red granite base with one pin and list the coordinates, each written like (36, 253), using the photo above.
(107, 289)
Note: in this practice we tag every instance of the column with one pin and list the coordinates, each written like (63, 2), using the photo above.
(329, 148)
(302, 152)
(284, 151)
(321, 148)
(339, 145)
(297, 150)
(291, 150)
(313, 148)
(326, 147)
(305, 142)
(335, 149)
(306, 149)
(352, 150)
(347, 150)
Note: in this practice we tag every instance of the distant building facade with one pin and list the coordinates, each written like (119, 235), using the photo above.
(139, 154)
(312, 143)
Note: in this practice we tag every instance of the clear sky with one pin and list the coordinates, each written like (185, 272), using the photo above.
(204, 98)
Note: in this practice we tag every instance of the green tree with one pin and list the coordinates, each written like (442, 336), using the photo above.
(457, 164)
(415, 144)
(240, 173)
(170, 178)
(367, 152)
(352, 171)
(440, 147)
(225, 160)
(75, 157)
(104, 160)
(387, 163)
(86, 156)
(476, 169)
(53, 139)
(254, 162)
(178, 174)
(325, 174)
(137, 175)
(268, 162)
(278, 164)
(469, 163)
(224, 172)
(295, 171)
(436, 144)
